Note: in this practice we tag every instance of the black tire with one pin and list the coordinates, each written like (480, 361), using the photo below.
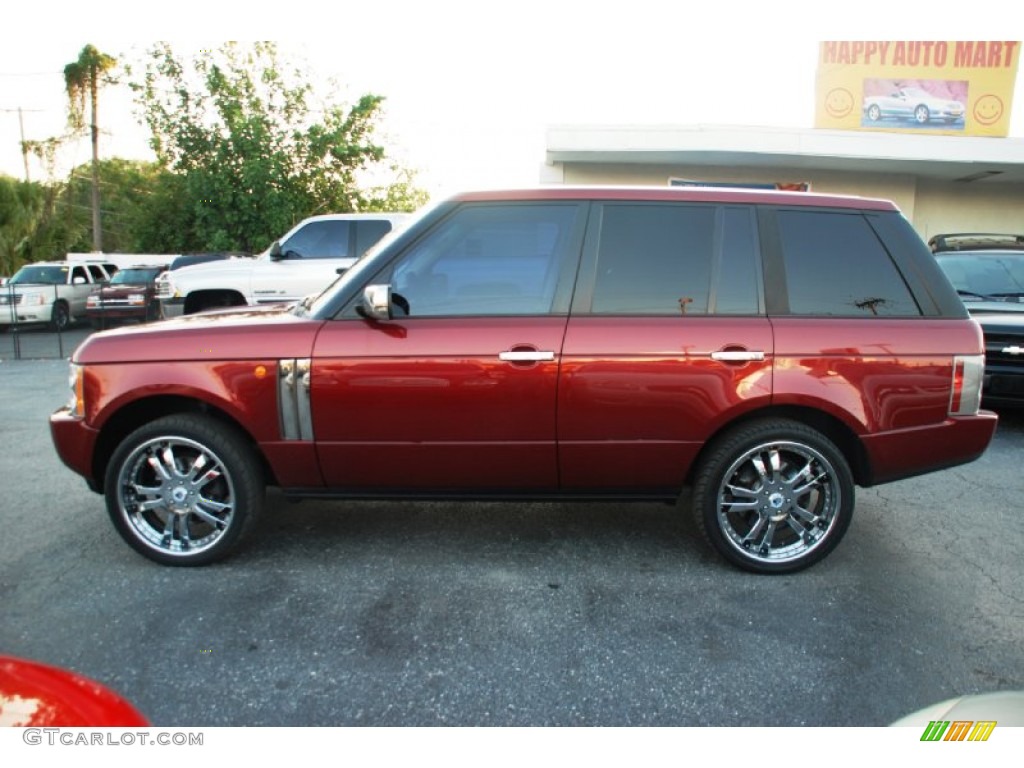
(773, 496)
(921, 115)
(199, 504)
(60, 319)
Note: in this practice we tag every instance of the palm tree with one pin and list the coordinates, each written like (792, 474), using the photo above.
(81, 78)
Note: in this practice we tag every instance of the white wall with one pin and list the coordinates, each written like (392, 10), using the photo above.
(933, 207)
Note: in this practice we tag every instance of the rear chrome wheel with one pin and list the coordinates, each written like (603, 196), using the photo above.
(183, 490)
(774, 496)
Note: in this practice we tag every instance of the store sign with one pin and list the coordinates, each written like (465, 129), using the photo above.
(962, 88)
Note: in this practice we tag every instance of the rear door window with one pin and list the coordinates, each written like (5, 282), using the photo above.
(671, 259)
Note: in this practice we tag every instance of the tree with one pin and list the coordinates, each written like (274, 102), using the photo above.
(133, 201)
(83, 78)
(29, 228)
(256, 150)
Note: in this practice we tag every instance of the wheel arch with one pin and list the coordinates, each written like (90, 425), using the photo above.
(840, 433)
(145, 410)
(197, 301)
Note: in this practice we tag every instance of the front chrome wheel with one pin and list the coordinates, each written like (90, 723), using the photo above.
(774, 497)
(183, 490)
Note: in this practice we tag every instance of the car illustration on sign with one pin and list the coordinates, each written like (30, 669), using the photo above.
(914, 104)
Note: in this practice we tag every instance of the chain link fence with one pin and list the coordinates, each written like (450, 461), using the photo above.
(36, 324)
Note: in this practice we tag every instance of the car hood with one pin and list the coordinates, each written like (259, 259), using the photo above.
(984, 307)
(235, 265)
(1001, 322)
(241, 333)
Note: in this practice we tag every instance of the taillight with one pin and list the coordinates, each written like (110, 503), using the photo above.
(968, 373)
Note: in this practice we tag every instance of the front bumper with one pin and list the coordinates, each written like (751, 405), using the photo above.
(75, 442)
(172, 308)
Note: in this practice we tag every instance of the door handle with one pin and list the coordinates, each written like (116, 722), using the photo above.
(526, 356)
(738, 355)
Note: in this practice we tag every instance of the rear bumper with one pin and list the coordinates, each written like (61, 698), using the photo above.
(909, 452)
(75, 443)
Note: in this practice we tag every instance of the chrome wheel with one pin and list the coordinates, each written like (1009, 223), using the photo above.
(774, 497)
(778, 501)
(874, 113)
(183, 490)
(921, 115)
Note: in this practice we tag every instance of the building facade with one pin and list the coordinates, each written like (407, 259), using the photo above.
(942, 184)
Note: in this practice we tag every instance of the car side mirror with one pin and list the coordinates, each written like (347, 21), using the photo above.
(376, 303)
(78, 281)
(275, 251)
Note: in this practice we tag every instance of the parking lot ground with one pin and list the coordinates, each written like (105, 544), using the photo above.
(409, 614)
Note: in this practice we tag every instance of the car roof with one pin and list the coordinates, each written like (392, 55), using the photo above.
(679, 194)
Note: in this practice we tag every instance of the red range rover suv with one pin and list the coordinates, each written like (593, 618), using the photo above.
(769, 350)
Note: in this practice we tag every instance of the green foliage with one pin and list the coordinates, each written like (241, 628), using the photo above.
(30, 230)
(83, 78)
(254, 151)
(135, 201)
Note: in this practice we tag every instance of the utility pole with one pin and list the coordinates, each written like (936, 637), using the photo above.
(24, 146)
(21, 126)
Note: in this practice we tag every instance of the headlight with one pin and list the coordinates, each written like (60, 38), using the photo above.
(76, 378)
(136, 299)
(92, 301)
(33, 300)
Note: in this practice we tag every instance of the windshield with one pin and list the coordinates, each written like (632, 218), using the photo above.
(988, 276)
(40, 275)
(134, 277)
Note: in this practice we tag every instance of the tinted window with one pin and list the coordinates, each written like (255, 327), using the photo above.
(368, 233)
(135, 276)
(98, 275)
(676, 259)
(319, 240)
(488, 260)
(979, 275)
(835, 265)
(736, 289)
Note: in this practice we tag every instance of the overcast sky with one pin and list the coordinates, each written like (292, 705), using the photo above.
(472, 86)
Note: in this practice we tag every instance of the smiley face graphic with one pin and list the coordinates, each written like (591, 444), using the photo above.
(988, 109)
(838, 102)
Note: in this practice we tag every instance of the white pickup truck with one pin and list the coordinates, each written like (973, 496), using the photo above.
(52, 292)
(306, 260)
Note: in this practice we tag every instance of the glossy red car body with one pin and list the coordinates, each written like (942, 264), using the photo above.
(557, 405)
(38, 695)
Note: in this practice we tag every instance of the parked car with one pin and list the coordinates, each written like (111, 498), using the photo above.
(130, 295)
(304, 261)
(912, 104)
(770, 350)
(988, 272)
(52, 292)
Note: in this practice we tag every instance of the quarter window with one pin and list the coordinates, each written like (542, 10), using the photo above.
(836, 265)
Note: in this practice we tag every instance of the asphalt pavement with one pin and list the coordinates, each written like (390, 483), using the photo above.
(418, 614)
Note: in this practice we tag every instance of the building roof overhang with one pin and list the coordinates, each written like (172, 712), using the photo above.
(943, 158)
